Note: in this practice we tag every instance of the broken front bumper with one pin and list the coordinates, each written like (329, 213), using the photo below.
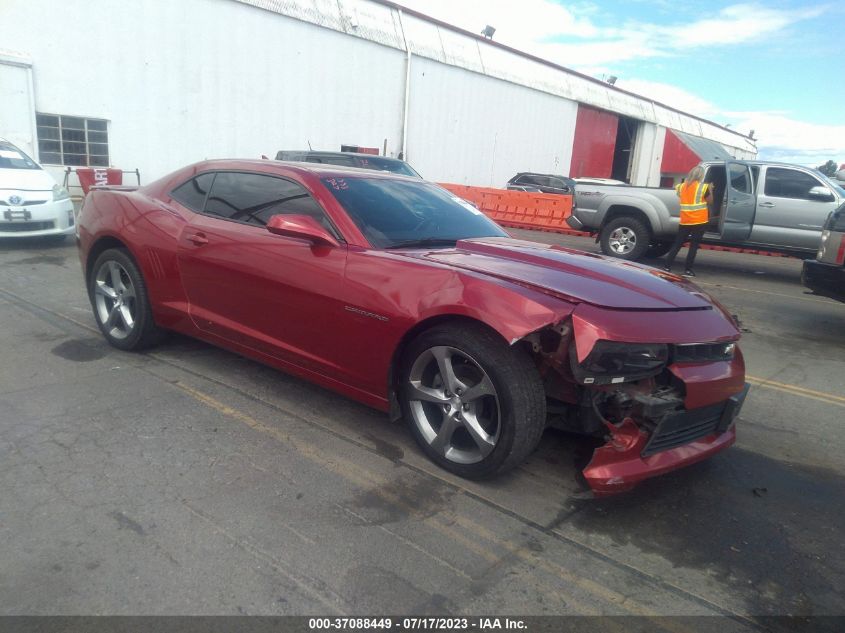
(632, 455)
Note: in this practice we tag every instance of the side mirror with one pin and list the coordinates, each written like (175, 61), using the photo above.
(821, 194)
(303, 227)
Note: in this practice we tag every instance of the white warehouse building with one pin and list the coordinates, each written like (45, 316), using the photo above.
(157, 84)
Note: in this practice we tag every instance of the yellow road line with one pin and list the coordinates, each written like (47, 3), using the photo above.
(467, 536)
(797, 391)
(766, 292)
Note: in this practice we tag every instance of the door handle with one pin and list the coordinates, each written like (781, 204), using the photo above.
(198, 239)
(766, 204)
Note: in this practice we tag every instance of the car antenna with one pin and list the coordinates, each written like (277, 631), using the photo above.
(309, 145)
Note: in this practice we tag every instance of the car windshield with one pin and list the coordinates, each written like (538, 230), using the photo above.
(382, 164)
(829, 182)
(13, 158)
(406, 213)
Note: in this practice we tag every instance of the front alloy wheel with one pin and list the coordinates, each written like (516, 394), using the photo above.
(454, 405)
(475, 404)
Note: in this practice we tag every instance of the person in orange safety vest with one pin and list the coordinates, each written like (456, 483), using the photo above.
(695, 197)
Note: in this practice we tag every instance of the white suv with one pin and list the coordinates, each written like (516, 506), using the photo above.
(31, 203)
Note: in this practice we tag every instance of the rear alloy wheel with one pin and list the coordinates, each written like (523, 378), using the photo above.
(119, 298)
(476, 406)
(625, 238)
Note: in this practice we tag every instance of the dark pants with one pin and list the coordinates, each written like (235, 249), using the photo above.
(691, 232)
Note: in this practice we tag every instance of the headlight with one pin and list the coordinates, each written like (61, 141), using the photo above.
(60, 193)
(611, 362)
(703, 352)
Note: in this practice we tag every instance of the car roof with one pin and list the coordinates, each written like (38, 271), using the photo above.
(318, 169)
(537, 173)
(316, 152)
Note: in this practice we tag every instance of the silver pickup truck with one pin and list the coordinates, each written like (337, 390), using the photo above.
(757, 204)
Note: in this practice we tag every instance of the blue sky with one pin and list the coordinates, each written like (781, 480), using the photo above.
(777, 68)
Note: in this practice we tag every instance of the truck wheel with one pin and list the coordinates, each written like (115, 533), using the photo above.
(658, 249)
(625, 238)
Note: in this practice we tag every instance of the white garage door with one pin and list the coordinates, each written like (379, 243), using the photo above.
(17, 108)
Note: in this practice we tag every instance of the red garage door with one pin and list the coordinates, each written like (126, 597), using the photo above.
(595, 141)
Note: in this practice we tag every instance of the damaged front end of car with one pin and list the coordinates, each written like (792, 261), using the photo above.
(658, 398)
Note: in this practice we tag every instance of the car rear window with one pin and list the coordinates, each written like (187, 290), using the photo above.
(383, 164)
(13, 158)
(389, 211)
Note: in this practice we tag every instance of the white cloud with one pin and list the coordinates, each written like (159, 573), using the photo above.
(779, 137)
(520, 24)
(553, 31)
(735, 24)
(573, 38)
(792, 141)
(672, 96)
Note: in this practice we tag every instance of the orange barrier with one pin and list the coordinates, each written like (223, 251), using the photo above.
(519, 209)
(543, 212)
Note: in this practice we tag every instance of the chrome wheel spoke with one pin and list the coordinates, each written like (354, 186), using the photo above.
(443, 356)
(126, 317)
(129, 292)
(114, 316)
(102, 289)
(114, 275)
(417, 391)
(443, 441)
(483, 388)
(482, 439)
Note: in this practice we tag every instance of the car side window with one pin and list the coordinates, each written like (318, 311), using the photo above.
(192, 194)
(789, 183)
(255, 198)
(739, 177)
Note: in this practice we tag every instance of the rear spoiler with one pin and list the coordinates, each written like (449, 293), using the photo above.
(114, 188)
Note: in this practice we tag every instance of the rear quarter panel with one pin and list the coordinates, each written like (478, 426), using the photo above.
(149, 230)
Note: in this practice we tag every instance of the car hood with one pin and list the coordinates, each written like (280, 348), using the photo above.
(26, 180)
(574, 275)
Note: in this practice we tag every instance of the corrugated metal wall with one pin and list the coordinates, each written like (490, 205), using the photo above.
(183, 81)
(471, 129)
(194, 79)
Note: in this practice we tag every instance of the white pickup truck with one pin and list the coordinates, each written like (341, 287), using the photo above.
(774, 206)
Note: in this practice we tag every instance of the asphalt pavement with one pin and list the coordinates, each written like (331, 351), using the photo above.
(188, 480)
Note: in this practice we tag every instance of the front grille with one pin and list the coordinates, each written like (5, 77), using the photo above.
(25, 203)
(702, 352)
(18, 227)
(683, 427)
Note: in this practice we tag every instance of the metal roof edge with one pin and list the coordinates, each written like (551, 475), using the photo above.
(330, 14)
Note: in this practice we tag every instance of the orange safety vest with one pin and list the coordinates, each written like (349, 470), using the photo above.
(693, 206)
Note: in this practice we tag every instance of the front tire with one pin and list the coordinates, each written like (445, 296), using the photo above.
(476, 405)
(625, 238)
(121, 305)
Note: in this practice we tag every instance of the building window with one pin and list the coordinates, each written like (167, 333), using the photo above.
(72, 140)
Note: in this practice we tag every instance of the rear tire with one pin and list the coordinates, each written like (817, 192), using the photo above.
(625, 238)
(488, 413)
(120, 301)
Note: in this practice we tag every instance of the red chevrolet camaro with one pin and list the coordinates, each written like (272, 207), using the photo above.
(394, 292)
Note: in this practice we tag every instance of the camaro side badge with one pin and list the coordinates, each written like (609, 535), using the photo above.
(365, 313)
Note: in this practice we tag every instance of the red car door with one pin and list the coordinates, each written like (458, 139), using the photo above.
(278, 295)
